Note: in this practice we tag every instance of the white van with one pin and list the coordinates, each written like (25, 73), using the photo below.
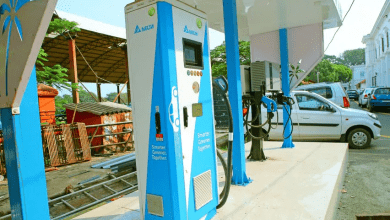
(332, 91)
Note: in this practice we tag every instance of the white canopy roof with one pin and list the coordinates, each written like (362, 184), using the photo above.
(95, 26)
(261, 16)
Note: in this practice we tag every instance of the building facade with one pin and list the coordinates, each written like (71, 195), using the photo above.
(378, 50)
(358, 77)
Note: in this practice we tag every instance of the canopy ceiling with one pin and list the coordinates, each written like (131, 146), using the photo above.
(261, 16)
(101, 45)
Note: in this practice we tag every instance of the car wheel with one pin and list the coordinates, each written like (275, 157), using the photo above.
(359, 138)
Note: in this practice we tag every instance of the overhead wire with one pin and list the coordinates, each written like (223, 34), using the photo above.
(85, 60)
(340, 26)
(82, 55)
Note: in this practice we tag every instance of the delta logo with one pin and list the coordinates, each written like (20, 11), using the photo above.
(188, 31)
(145, 28)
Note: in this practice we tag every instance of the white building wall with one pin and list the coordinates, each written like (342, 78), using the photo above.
(358, 75)
(377, 65)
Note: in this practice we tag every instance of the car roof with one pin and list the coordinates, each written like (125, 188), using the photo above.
(318, 84)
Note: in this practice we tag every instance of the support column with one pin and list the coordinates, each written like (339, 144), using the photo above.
(24, 157)
(99, 91)
(128, 75)
(73, 68)
(235, 92)
(285, 87)
(128, 93)
(118, 90)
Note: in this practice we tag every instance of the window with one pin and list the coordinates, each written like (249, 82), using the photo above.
(325, 92)
(306, 102)
(384, 91)
(383, 45)
(361, 74)
(193, 57)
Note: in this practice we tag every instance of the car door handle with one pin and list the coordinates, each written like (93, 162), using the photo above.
(306, 117)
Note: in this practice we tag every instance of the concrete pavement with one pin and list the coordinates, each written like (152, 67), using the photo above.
(368, 174)
(299, 183)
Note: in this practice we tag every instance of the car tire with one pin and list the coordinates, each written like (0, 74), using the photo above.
(359, 138)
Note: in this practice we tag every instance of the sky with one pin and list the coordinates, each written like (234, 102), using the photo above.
(359, 22)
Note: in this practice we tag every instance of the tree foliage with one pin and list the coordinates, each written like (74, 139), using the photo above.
(331, 68)
(60, 101)
(330, 72)
(55, 76)
(110, 97)
(354, 57)
(218, 57)
(62, 27)
(342, 73)
(349, 57)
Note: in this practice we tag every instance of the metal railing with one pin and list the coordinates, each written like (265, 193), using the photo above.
(94, 135)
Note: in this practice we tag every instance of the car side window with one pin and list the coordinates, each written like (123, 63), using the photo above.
(325, 92)
(382, 92)
(310, 103)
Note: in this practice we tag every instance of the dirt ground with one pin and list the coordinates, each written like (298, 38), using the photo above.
(366, 184)
(65, 176)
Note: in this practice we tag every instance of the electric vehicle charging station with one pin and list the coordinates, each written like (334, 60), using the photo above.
(170, 77)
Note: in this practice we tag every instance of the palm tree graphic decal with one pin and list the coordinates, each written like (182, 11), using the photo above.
(12, 18)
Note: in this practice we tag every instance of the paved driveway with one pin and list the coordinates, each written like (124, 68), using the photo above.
(367, 180)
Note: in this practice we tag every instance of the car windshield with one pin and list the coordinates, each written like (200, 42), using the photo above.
(367, 91)
(383, 91)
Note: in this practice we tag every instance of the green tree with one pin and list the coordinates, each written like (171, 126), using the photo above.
(333, 59)
(330, 72)
(111, 96)
(218, 58)
(342, 73)
(60, 101)
(326, 70)
(55, 76)
(86, 96)
(354, 57)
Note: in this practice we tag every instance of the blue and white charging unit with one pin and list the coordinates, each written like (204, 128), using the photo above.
(171, 91)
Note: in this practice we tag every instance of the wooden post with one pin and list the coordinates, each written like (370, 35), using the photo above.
(99, 91)
(73, 68)
(118, 90)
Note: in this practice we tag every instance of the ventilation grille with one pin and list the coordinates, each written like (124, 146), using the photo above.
(155, 205)
(203, 189)
(257, 75)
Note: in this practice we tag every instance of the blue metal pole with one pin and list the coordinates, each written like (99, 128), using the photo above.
(285, 87)
(235, 93)
(24, 157)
